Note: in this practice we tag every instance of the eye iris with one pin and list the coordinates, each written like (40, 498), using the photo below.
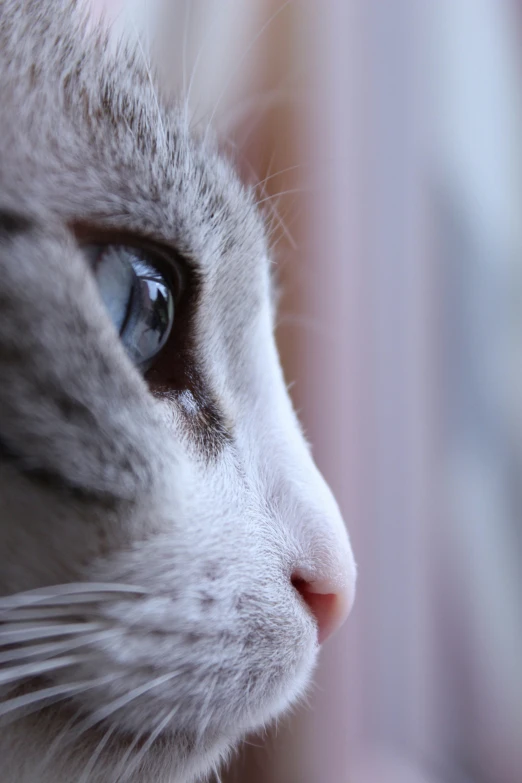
(138, 299)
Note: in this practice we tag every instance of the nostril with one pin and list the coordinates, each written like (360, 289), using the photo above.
(329, 608)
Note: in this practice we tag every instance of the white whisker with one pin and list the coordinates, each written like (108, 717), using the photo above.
(60, 739)
(278, 174)
(36, 669)
(109, 709)
(259, 104)
(11, 633)
(257, 116)
(148, 744)
(43, 651)
(278, 195)
(280, 221)
(186, 27)
(122, 766)
(241, 60)
(277, 220)
(275, 216)
(57, 743)
(151, 81)
(36, 699)
(195, 67)
(261, 185)
(74, 591)
(39, 613)
(85, 776)
(216, 774)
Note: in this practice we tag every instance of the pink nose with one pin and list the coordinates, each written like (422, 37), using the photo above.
(329, 603)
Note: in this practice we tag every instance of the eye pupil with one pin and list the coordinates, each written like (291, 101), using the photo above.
(138, 297)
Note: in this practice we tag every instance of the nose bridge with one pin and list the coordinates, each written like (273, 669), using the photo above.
(324, 572)
(311, 517)
(303, 508)
(316, 523)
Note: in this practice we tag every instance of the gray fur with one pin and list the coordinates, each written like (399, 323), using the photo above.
(103, 483)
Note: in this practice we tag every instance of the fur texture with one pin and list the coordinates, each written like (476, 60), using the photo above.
(159, 520)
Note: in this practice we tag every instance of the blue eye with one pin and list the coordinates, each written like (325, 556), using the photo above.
(138, 296)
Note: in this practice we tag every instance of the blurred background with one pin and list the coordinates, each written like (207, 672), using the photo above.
(385, 139)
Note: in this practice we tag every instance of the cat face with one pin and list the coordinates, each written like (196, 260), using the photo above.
(184, 553)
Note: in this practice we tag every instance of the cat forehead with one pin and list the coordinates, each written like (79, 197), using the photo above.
(96, 144)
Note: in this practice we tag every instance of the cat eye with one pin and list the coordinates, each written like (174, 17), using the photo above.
(139, 294)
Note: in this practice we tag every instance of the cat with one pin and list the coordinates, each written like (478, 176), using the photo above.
(171, 557)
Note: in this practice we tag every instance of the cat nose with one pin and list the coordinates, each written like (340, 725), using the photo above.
(329, 599)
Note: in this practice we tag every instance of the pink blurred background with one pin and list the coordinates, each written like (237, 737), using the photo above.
(387, 140)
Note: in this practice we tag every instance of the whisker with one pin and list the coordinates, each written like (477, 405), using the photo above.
(278, 195)
(58, 742)
(121, 769)
(282, 221)
(43, 651)
(243, 133)
(36, 669)
(151, 80)
(84, 778)
(204, 42)
(186, 27)
(258, 104)
(241, 60)
(148, 744)
(38, 613)
(252, 744)
(278, 173)
(50, 695)
(216, 774)
(11, 633)
(261, 185)
(278, 221)
(275, 216)
(109, 709)
(74, 591)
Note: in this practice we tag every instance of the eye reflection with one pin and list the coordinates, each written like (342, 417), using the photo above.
(138, 297)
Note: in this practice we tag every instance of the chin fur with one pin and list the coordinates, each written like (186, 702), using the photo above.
(61, 750)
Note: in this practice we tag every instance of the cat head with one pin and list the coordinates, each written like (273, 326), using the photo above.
(171, 556)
